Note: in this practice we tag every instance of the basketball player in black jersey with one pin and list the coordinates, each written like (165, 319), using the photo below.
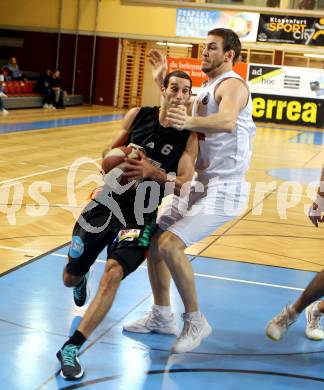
(172, 152)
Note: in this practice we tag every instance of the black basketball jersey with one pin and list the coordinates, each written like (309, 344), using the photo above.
(164, 145)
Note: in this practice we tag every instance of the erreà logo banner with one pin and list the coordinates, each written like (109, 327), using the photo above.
(288, 110)
(291, 29)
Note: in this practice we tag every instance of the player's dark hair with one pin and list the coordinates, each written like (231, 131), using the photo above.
(176, 73)
(231, 41)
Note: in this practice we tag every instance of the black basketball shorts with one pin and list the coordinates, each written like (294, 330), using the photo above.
(98, 228)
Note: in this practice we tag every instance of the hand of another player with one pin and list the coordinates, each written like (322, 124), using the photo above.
(177, 117)
(159, 66)
(138, 169)
(165, 104)
(316, 211)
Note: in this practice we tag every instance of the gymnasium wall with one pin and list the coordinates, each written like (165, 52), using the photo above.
(39, 51)
(114, 18)
(37, 22)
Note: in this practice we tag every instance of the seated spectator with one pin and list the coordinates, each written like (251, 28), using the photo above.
(58, 92)
(307, 4)
(273, 3)
(6, 72)
(2, 109)
(15, 74)
(44, 86)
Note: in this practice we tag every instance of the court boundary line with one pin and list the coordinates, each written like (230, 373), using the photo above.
(50, 124)
(195, 273)
(40, 252)
(40, 173)
(248, 282)
(258, 264)
(196, 370)
(50, 253)
(31, 260)
(270, 254)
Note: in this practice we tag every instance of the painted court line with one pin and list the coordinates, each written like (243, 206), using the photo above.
(40, 252)
(30, 251)
(53, 123)
(196, 274)
(250, 282)
(20, 250)
(34, 174)
(243, 281)
(40, 173)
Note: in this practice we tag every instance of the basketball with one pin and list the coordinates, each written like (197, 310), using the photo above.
(114, 159)
(116, 156)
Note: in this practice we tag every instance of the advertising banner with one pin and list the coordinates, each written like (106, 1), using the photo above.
(286, 81)
(291, 29)
(281, 94)
(287, 109)
(192, 66)
(196, 23)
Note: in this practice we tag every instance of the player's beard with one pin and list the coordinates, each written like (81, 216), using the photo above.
(210, 68)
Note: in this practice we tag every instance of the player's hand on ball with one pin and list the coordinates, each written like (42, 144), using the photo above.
(138, 169)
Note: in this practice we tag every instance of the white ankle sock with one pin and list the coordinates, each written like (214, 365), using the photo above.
(165, 311)
(194, 315)
(316, 311)
(293, 312)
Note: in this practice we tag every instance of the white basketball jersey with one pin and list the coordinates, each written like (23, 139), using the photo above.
(223, 155)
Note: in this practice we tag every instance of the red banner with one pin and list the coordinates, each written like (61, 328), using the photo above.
(192, 66)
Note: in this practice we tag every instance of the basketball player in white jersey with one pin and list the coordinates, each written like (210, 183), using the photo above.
(222, 115)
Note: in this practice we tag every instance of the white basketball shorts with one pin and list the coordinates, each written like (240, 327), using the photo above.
(206, 208)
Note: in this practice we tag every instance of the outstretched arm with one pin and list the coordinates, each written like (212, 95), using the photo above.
(231, 96)
(159, 71)
(159, 66)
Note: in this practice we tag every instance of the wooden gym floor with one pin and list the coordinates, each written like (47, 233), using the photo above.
(49, 164)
